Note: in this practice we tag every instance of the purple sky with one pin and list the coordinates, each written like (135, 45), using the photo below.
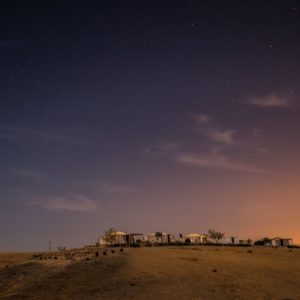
(174, 117)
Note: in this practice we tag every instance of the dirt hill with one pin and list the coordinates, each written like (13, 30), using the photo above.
(154, 273)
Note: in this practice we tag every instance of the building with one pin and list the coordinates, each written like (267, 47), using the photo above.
(226, 240)
(115, 238)
(196, 238)
(134, 238)
(281, 242)
(230, 240)
(159, 238)
(248, 242)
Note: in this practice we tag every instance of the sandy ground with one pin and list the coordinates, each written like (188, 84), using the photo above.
(156, 273)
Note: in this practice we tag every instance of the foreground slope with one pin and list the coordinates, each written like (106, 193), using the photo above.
(156, 273)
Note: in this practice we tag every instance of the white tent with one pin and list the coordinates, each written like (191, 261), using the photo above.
(196, 237)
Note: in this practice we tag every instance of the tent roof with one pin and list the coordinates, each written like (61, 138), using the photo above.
(119, 233)
(193, 235)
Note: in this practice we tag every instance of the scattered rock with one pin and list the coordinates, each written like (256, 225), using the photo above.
(112, 251)
(121, 250)
(249, 251)
(104, 253)
(215, 270)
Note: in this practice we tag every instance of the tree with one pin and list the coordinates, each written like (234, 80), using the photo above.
(263, 242)
(215, 235)
(109, 236)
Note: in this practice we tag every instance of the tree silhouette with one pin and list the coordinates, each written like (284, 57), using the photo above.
(109, 235)
(215, 235)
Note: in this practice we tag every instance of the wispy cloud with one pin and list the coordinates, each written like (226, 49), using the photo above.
(202, 119)
(214, 159)
(220, 141)
(77, 203)
(221, 150)
(270, 101)
(30, 135)
(226, 136)
(213, 131)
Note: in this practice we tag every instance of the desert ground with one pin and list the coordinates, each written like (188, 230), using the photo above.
(202, 272)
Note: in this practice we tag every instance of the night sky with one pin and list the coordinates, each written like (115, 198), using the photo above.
(173, 116)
